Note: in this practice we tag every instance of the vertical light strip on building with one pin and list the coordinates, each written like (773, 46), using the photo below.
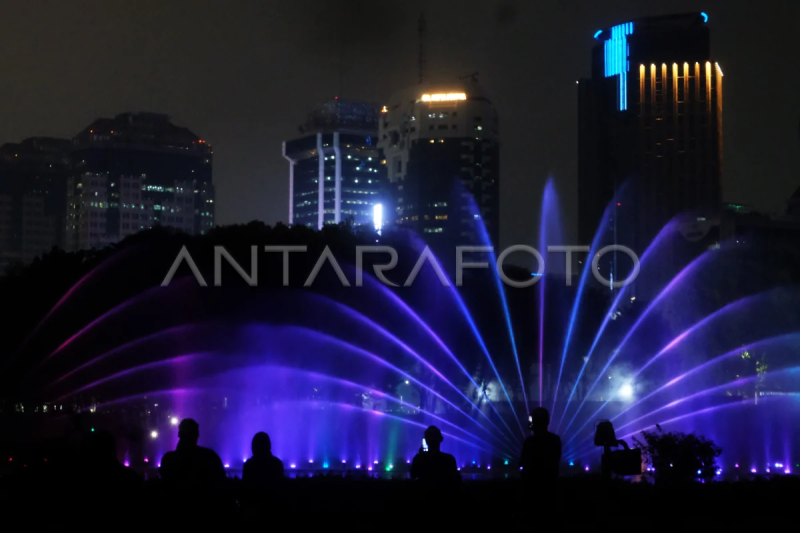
(321, 180)
(616, 52)
(338, 178)
(291, 192)
(708, 85)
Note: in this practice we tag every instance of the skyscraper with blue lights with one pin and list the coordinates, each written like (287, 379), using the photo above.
(336, 172)
(651, 116)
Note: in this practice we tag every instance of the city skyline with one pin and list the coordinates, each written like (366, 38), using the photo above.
(539, 117)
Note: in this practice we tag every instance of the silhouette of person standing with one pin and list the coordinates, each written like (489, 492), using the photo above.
(434, 465)
(541, 452)
(194, 478)
(262, 470)
(190, 463)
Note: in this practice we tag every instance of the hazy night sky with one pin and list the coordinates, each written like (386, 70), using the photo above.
(243, 75)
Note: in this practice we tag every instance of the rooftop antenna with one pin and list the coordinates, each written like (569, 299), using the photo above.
(421, 29)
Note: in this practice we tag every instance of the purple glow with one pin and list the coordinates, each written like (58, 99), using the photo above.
(408, 461)
(375, 462)
(674, 342)
(411, 313)
(292, 465)
(679, 278)
(587, 468)
(127, 463)
(146, 460)
(489, 467)
(173, 361)
(358, 466)
(662, 235)
(736, 465)
(787, 471)
(369, 468)
(753, 470)
(465, 312)
(576, 303)
(768, 471)
(226, 465)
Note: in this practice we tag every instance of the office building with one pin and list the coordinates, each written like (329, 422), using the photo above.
(134, 172)
(651, 116)
(33, 176)
(336, 172)
(441, 145)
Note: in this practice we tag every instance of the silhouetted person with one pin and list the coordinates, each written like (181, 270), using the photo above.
(434, 465)
(190, 463)
(262, 470)
(541, 452)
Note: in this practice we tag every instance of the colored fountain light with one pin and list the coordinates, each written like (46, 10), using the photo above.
(154, 434)
(369, 468)
(127, 463)
(571, 463)
(753, 471)
(325, 465)
(344, 462)
(146, 460)
(174, 420)
(736, 465)
(358, 467)
(587, 468)
(292, 465)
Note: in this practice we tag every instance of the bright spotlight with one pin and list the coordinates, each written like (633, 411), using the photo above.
(174, 420)
(154, 434)
(626, 391)
(377, 216)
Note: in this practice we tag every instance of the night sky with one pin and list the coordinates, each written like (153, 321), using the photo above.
(244, 74)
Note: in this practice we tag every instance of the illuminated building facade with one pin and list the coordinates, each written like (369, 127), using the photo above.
(33, 177)
(442, 150)
(134, 172)
(651, 116)
(336, 172)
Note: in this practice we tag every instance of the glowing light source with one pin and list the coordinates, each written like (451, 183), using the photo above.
(344, 462)
(377, 216)
(174, 420)
(571, 463)
(311, 461)
(705, 17)
(358, 467)
(598, 33)
(146, 460)
(154, 434)
(293, 465)
(505, 462)
(587, 468)
(127, 463)
(384, 109)
(227, 465)
(325, 465)
(753, 470)
(626, 391)
(736, 465)
(443, 97)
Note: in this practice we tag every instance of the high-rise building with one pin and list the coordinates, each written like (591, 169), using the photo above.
(651, 116)
(33, 176)
(441, 145)
(336, 172)
(133, 172)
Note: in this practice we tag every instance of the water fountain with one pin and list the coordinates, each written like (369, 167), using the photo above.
(347, 380)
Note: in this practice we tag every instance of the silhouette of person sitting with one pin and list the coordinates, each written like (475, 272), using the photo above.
(191, 464)
(262, 470)
(541, 452)
(434, 465)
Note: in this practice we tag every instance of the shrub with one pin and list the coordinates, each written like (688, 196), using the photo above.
(678, 457)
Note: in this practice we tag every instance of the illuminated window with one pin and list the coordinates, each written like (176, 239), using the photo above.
(441, 217)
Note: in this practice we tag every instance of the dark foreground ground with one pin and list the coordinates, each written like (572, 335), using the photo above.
(34, 501)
